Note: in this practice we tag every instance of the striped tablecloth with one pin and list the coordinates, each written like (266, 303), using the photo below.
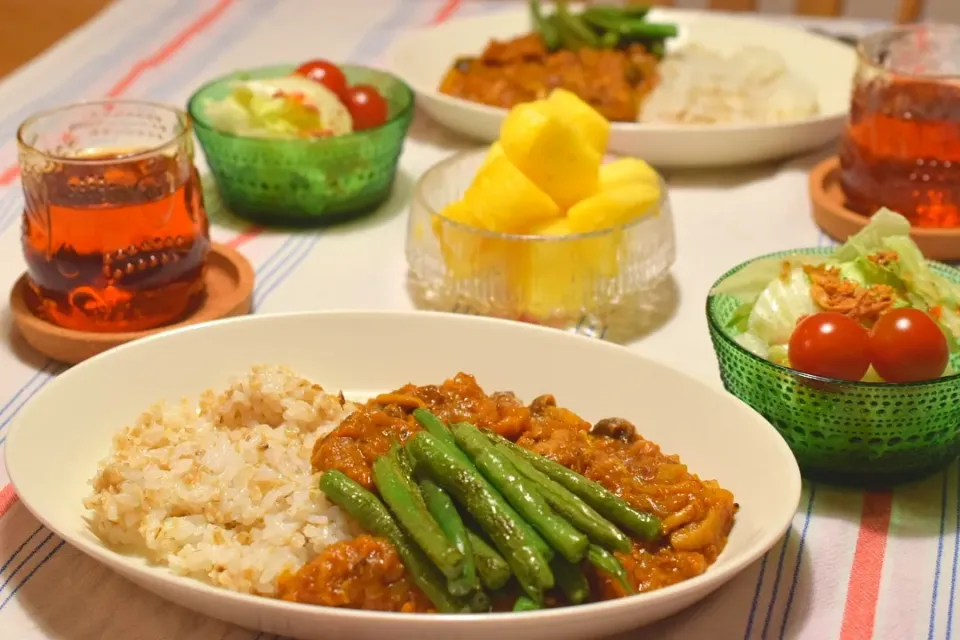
(853, 566)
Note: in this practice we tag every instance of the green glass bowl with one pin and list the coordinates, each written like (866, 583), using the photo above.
(305, 181)
(854, 433)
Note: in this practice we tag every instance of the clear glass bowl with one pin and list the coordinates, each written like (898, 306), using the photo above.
(308, 181)
(575, 282)
(858, 433)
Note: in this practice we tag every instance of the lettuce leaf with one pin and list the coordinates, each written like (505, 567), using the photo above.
(780, 306)
(908, 272)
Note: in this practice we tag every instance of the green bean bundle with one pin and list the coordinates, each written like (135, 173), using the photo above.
(489, 509)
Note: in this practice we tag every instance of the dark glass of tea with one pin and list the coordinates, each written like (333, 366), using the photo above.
(115, 234)
(901, 148)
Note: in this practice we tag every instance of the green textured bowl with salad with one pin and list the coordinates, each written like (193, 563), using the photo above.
(313, 143)
(851, 353)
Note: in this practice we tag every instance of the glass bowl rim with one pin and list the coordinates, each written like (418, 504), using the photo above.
(867, 60)
(182, 116)
(716, 329)
(200, 122)
(420, 198)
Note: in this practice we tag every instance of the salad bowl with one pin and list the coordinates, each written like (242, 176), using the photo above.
(304, 179)
(862, 432)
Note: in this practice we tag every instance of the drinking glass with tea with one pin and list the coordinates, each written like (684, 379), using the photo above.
(115, 234)
(901, 148)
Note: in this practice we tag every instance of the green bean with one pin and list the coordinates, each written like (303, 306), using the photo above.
(469, 447)
(405, 465)
(576, 25)
(578, 512)
(608, 563)
(434, 425)
(610, 40)
(367, 509)
(571, 580)
(442, 509)
(526, 499)
(524, 603)
(628, 11)
(631, 27)
(568, 38)
(608, 504)
(412, 513)
(657, 48)
(493, 569)
(479, 601)
(489, 509)
(543, 26)
(470, 439)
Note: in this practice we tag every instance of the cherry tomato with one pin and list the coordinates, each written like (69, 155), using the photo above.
(830, 345)
(906, 345)
(366, 105)
(326, 73)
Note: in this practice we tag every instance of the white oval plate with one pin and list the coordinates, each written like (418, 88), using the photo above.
(57, 440)
(422, 57)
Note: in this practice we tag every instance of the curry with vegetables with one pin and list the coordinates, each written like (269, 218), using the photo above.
(475, 502)
(606, 55)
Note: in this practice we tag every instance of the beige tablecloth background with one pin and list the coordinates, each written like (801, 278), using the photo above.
(853, 566)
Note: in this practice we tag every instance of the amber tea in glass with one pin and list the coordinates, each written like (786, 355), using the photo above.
(115, 234)
(901, 148)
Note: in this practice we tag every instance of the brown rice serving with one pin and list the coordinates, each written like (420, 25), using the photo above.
(223, 490)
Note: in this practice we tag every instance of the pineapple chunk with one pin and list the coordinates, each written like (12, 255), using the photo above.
(503, 199)
(570, 108)
(560, 275)
(613, 208)
(625, 172)
(466, 253)
(496, 151)
(551, 153)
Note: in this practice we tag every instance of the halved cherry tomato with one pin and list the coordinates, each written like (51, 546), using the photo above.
(366, 105)
(326, 73)
(831, 345)
(906, 345)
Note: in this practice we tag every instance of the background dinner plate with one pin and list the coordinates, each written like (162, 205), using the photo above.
(422, 57)
(57, 440)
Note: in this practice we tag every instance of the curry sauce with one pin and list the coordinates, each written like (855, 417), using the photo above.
(366, 573)
(612, 81)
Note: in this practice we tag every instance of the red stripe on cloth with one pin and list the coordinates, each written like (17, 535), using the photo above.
(158, 58)
(449, 8)
(8, 498)
(863, 590)
(444, 13)
(194, 28)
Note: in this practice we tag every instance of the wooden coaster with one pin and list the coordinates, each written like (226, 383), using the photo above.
(840, 223)
(229, 293)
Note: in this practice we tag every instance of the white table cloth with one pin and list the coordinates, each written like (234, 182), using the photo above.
(854, 565)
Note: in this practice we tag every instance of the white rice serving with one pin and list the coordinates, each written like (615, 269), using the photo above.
(223, 491)
(751, 86)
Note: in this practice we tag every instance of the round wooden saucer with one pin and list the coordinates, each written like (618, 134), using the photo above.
(229, 293)
(840, 223)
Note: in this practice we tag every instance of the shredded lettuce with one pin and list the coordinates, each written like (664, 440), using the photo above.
(775, 293)
(907, 271)
(285, 107)
(780, 306)
(747, 284)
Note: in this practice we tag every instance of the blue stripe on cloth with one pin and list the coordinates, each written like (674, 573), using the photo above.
(776, 583)
(952, 600)
(938, 566)
(796, 568)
